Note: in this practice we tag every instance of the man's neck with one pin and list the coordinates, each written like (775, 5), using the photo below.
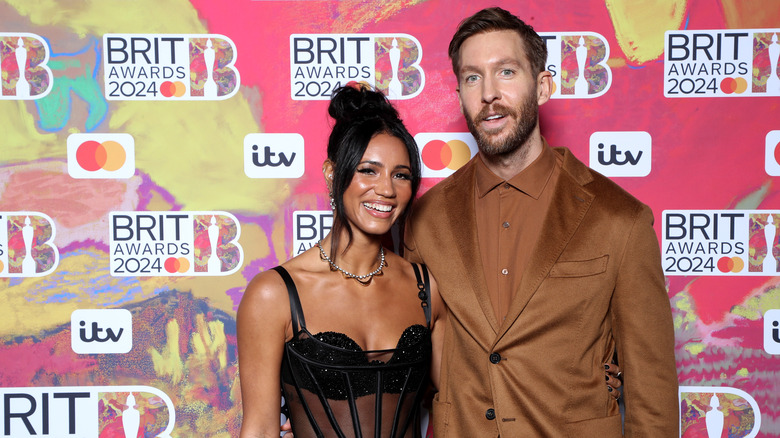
(508, 165)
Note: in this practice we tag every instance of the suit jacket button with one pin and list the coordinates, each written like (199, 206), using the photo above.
(495, 358)
(490, 414)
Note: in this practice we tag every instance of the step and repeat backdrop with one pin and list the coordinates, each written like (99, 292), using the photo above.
(156, 155)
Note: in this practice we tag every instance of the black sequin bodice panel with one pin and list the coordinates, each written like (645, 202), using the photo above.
(333, 388)
(329, 358)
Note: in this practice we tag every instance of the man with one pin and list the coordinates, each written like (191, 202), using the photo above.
(546, 266)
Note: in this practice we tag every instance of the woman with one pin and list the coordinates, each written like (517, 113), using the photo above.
(351, 330)
(353, 352)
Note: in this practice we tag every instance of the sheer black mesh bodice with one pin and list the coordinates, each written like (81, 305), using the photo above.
(333, 388)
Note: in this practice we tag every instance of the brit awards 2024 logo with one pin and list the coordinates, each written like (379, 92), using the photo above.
(309, 227)
(27, 244)
(442, 153)
(169, 67)
(101, 155)
(168, 243)
(320, 63)
(578, 63)
(709, 411)
(721, 242)
(721, 63)
(24, 72)
(86, 411)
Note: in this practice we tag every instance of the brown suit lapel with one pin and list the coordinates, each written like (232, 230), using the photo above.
(462, 221)
(569, 204)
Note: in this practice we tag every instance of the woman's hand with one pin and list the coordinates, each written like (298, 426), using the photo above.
(614, 379)
(287, 429)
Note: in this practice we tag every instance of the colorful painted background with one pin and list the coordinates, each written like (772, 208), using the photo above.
(708, 153)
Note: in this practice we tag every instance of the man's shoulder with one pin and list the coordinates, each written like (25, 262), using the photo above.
(599, 185)
(612, 201)
(436, 193)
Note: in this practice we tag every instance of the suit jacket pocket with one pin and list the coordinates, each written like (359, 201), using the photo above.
(440, 411)
(580, 268)
(605, 427)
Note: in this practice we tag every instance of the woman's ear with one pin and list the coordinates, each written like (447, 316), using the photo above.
(327, 172)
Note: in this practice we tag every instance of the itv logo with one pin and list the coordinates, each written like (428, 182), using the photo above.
(273, 155)
(101, 331)
(772, 331)
(621, 153)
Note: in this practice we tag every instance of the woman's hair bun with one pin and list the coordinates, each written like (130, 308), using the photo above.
(356, 101)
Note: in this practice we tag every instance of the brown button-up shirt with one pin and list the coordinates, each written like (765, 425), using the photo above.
(509, 218)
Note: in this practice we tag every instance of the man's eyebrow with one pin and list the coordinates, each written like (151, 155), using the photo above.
(504, 61)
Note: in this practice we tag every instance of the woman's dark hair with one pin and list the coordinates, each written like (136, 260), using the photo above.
(360, 114)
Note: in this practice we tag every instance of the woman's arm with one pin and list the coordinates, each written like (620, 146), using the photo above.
(262, 321)
(439, 324)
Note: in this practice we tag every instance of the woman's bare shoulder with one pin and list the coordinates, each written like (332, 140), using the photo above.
(268, 289)
(265, 296)
(266, 286)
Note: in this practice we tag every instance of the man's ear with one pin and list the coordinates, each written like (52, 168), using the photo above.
(544, 87)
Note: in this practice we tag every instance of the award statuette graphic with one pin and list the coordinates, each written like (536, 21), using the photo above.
(706, 411)
(87, 411)
(773, 81)
(22, 86)
(770, 231)
(24, 70)
(27, 244)
(131, 418)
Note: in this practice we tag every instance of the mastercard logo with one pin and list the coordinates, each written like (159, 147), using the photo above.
(772, 153)
(777, 153)
(730, 264)
(108, 155)
(438, 154)
(101, 155)
(733, 85)
(173, 89)
(174, 265)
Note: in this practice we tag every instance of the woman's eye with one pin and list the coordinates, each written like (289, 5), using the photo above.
(405, 176)
(366, 170)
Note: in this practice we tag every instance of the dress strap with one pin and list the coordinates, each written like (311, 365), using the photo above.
(424, 285)
(296, 311)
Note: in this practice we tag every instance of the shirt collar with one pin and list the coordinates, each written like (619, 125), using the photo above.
(531, 180)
